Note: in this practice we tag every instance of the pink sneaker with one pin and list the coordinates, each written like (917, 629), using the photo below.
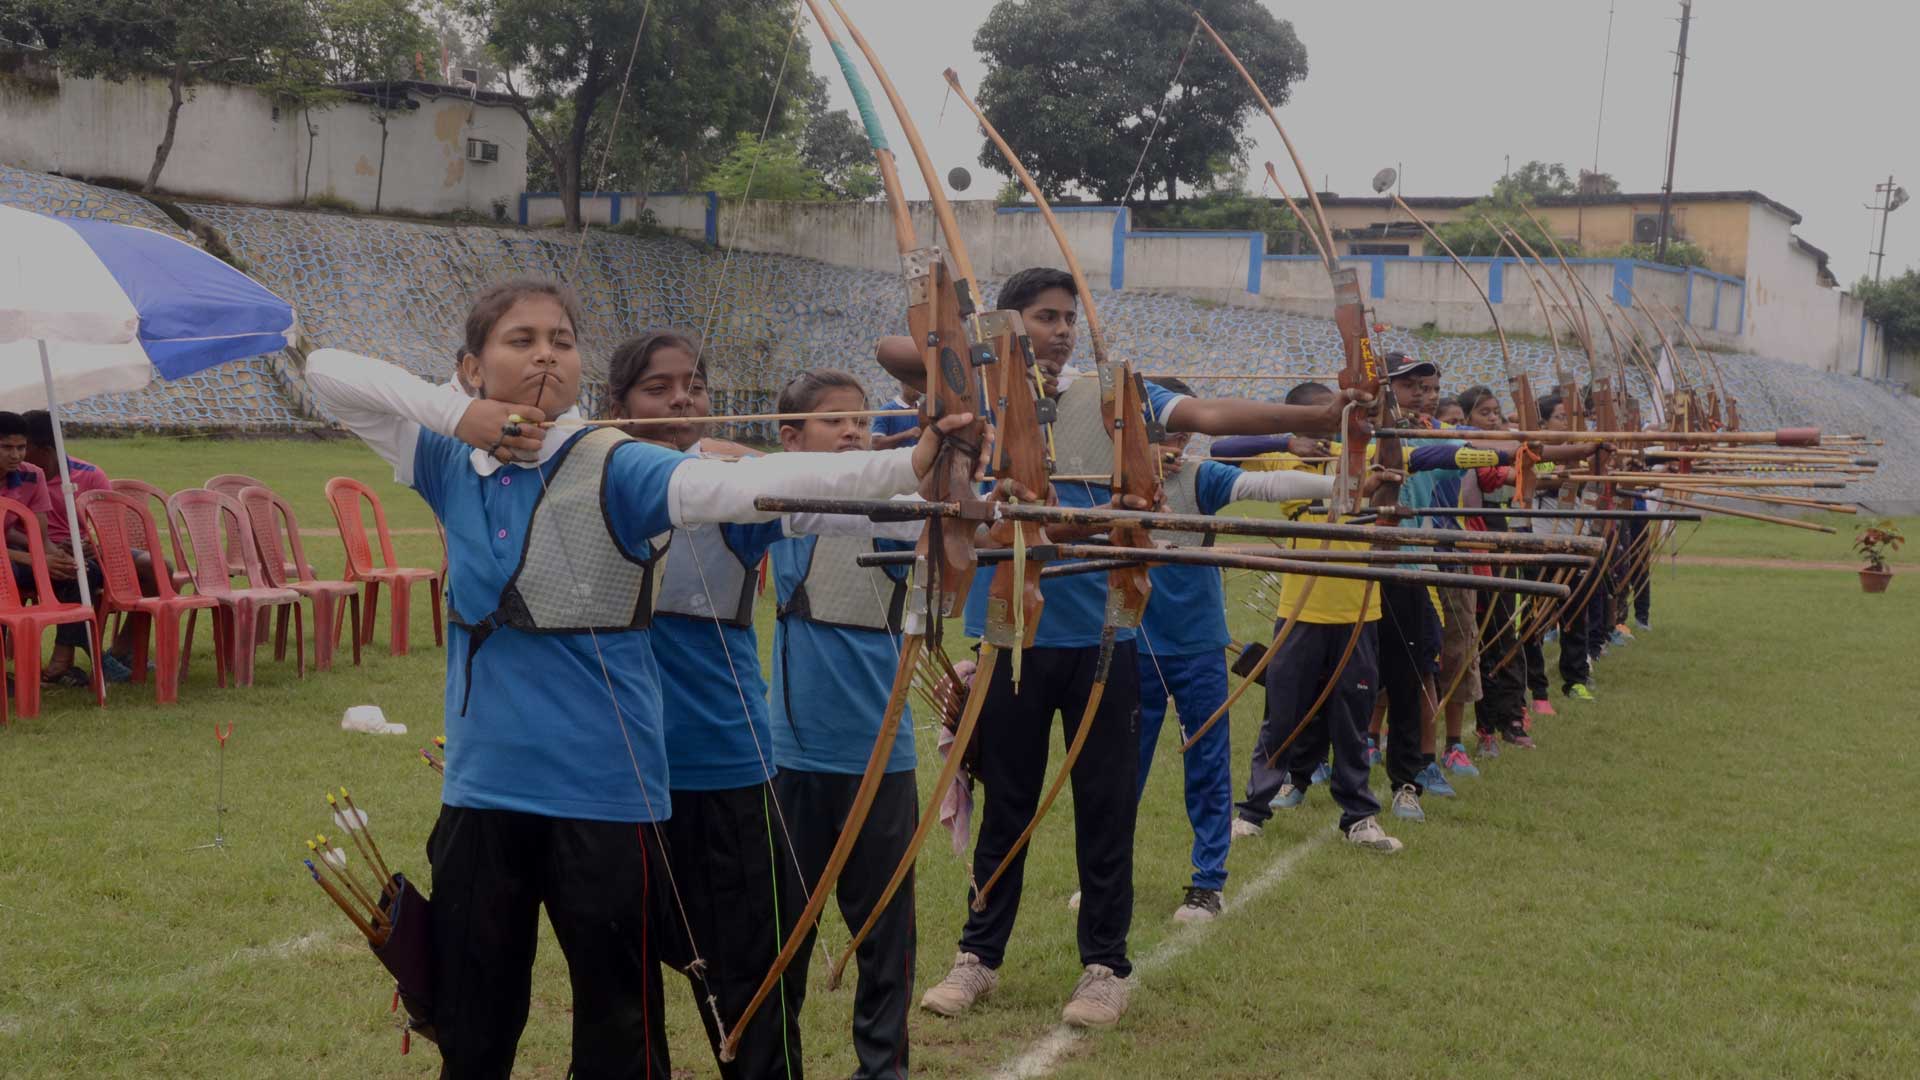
(1543, 707)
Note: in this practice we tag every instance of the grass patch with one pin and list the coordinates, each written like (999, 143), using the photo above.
(1690, 877)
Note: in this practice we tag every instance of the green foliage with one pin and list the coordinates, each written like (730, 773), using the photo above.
(1679, 253)
(833, 145)
(1876, 541)
(1226, 207)
(770, 169)
(1895, 304)
(1532, 181)
(1478, 231)
(1077, 85)
(703, 72)
(369, 40)
(1597, 183)
(224, 40)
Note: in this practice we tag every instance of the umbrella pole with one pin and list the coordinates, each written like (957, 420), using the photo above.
(66, 483)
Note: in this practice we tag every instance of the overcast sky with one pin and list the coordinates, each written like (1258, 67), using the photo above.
(1810, 104)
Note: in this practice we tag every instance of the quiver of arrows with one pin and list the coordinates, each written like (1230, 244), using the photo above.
(407, 952)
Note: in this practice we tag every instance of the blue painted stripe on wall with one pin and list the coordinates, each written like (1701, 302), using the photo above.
(1497, 281)
(1623, 282)
(1715, 323)
(713, 218)
(1379, 275)
(1117, 269)
(1256, 254)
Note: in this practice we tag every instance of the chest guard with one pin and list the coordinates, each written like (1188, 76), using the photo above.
(1183, 497)
(573, 576)
(835, 591)
(1082, 445)
(703, 579)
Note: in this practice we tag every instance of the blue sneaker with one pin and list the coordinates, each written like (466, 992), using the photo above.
(1406, 804)
(1434, 781)
(115, 669)
(1457, 761)
(1374, 756)
(1321, 774)
(1288, 798)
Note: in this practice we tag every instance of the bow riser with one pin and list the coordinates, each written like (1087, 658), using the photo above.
(941, 319)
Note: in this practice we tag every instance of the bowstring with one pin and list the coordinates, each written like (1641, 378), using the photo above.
(1160, 114)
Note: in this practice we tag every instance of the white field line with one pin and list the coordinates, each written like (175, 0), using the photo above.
(1045, 1052)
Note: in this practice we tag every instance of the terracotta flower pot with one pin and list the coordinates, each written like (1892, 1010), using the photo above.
(1875, 581)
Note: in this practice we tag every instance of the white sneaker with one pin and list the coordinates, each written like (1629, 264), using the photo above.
(1073, 902)
(1099, 999)
(968, 982)
(1406, 804)
(1201, 905)
(1367, 833)
(1242, 828)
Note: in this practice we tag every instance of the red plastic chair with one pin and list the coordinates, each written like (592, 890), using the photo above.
(344, 495)
(271, 518)
(119, 523)
(182, 577)
(27, 625)
(203, 517)
(231, 485)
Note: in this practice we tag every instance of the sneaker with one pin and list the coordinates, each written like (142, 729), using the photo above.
(1199, 906)
(1406, 804)
(1579, 692)
(1489, 746)
(1543, 707)
(1367, 833)
(1550, 637)
(1434, 781)
(1457, 761)
(1242, 828)
(1642, 625)
(1288, 798)
(968, 982)
(1374, 756)
(116, 669)
(1099, 998)
(1618, 638)
(1321, 774)
(1518, 737)
(1073, 902)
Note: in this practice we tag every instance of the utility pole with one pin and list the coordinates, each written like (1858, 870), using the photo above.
(1673, 136)
(1892, 197)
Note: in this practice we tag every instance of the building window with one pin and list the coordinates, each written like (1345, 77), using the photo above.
(1379, 249)
(482, 150)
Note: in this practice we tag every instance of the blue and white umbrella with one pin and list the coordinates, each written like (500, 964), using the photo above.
(89, 307)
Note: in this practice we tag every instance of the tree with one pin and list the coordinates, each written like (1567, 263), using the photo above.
(370, 40)
(768, 169)
(1077, 85)
(692, 85)
(1597, 183)
(245, 41)
(836, 148)
(1480, 229)
(1228, 206)
(1895, 304)
(1532, 181)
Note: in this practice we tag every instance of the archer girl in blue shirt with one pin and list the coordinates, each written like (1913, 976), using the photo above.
(556, 776)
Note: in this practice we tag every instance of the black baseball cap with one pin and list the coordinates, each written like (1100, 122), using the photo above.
(1400, 365)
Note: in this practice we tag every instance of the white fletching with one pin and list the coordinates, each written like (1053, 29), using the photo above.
(349, 819)
(335, 858)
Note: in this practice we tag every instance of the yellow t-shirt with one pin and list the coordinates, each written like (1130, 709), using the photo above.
(1333, 600)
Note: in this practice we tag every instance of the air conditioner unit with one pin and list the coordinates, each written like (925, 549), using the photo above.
(480, 150)
(1646, 228)
(470, 76)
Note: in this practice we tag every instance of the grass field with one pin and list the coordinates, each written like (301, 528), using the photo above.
(1708, 872)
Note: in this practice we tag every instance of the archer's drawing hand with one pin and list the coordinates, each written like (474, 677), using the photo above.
(929, 446)
(490, 425)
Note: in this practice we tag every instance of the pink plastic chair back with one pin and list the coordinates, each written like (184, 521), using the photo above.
(344, 495)
(275, 530)
(206, 519)
(10, 598)
(119, 523)
(152, 493)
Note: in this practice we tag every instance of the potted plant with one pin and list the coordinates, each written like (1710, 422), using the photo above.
(1875, 541)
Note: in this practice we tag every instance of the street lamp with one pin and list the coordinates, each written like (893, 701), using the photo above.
(1891, 198)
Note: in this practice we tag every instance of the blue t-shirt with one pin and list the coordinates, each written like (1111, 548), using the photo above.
(710, 684)
(831, 683)
(1187, 613)
(894, 425)
(547, 728)
(1076, 604)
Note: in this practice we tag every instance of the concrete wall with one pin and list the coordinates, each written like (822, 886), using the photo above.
(233, 142)
(1789, 315)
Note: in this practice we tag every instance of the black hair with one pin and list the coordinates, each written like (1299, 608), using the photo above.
(805, 390)
(12, 423)
(1547, 404)
(1173, 383)
(1472, 396)
(498, 298)
(39, 425)
(634, 356)
(1307, 393)
(1020, 290)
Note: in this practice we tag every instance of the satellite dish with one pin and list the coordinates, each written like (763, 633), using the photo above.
(959, 179)
(1383, 180)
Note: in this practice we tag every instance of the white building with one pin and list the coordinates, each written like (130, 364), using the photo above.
(440, 149)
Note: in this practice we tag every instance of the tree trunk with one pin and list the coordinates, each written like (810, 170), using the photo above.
(306, 180)
(566, 169)
(176, 88)
(572, 168)
(380, 177)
